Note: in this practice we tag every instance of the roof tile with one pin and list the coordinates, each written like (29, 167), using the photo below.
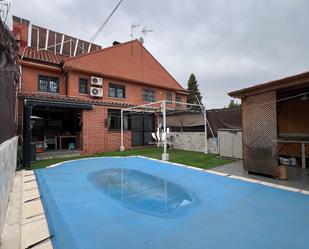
(42, 55)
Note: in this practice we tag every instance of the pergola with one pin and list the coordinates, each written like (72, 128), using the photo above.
(164, 108)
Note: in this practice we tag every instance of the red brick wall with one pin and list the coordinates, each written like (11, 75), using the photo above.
(133, 91)
(96, 137)
(113, 140)
(93, 130)
(30, 79)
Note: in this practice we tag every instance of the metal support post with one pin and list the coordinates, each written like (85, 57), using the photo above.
(165, 155)
(122, 148)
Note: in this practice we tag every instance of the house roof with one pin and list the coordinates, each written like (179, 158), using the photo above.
(130, 61)
(44, 56)
(290, 81)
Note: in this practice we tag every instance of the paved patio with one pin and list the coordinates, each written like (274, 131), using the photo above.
(26, 225)
(298, 177)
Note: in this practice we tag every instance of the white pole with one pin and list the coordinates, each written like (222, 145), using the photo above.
(122, 148)
(205, 133)
(203, 108)
(165, 156)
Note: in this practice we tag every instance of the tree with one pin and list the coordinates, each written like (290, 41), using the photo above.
(193, 88)
(233, 104)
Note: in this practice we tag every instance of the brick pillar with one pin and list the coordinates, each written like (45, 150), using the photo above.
(94, 129)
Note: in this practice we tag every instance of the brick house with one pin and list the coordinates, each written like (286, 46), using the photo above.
(71, 96)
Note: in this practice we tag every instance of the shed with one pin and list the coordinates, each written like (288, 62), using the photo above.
(275, 117)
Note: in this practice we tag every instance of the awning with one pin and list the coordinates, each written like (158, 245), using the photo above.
(218, 118)
(57, 103)
(185, 120)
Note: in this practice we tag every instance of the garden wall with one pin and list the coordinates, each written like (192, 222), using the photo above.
(194, 141)
(8, 160)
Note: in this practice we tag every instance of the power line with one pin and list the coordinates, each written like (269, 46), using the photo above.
(94, 37)
(106, 21)
(91, 40)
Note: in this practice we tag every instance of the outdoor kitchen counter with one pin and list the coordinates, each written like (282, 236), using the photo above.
(302, 142)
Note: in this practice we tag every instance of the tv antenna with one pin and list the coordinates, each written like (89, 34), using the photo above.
(145, 31)
(4, 10)
(133, 26)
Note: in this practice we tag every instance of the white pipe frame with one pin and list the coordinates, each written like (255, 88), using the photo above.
(163, 109)
(164, 129)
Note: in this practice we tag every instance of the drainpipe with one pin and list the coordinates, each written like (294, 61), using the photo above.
(66, 84)
(66, 75)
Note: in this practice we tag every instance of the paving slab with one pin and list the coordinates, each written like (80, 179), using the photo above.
(32, 211)
(30, 185)
(31, 194)
(34, 232)
(10, 238)
(26, 223)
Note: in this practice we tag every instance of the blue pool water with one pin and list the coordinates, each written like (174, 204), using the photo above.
(132, 203)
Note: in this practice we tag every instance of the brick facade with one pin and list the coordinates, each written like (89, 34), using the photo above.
(128, 64)
(96, 136)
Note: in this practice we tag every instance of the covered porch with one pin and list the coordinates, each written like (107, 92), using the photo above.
(52, 129)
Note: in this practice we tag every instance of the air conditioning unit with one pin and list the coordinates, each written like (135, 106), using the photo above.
(96, 92)
(96, 81)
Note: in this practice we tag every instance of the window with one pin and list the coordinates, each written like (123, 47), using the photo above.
(116, 91)
(178, 98)
(48, 84)
(169, 96)
(114, 120)
(148, 95)
(83, 86)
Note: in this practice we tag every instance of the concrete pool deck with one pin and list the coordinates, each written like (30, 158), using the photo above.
(297, 177)
(26, 225)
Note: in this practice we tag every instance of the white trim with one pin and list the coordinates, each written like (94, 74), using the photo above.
(61, 47)
(46, 40)
(86, 158)
(29, 34)
(55, 41)
(76, 45)
(89, 47)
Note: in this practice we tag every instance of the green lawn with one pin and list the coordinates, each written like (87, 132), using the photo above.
(196, 159)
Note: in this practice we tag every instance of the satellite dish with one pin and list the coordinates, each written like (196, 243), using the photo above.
(141, 40)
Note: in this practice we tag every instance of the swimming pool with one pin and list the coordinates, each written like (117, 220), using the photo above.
(139, 203)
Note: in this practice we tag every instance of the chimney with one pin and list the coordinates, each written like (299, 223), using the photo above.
(116, 43)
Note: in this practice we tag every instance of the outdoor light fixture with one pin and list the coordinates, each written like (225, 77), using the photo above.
(304, 97)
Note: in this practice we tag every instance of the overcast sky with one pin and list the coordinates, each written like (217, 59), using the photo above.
(227, 44)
